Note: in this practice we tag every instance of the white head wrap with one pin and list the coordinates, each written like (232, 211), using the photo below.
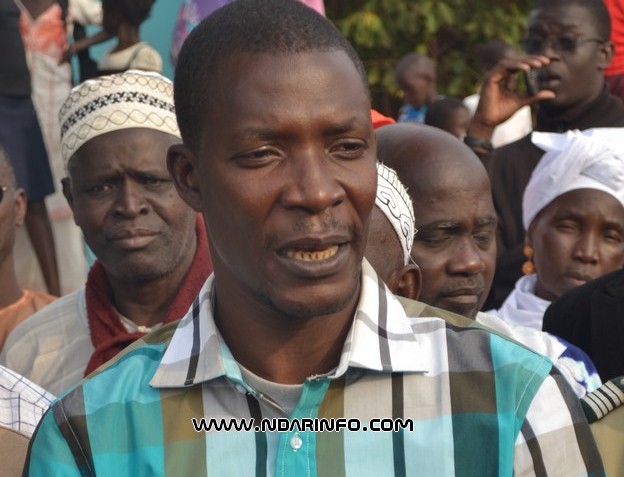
(132, 99)
(590, 159)
(396, 204)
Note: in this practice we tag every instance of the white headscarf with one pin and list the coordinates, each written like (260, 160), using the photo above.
(590, 159)
(132, 99)
(396, 204)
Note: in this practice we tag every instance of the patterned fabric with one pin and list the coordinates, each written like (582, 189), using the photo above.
(133, 99)
(604, 399)
(480, 406)
(395, 203)
(22, 403)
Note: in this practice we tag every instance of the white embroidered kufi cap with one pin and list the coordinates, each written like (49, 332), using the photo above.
(396, 204)
(132, 99)
(590, 159)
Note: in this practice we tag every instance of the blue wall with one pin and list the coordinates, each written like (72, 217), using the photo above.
(157, 30)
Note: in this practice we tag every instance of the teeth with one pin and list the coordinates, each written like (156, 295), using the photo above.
(312, 255)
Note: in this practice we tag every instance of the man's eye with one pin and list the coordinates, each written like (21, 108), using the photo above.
(567, 43)
(484, 238)
(612, 236)
(432, 240)
(566, 226)
(153, 181)
(99, 188)
(257, 157)
(349, 148)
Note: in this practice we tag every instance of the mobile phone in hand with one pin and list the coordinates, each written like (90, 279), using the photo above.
(531, 82)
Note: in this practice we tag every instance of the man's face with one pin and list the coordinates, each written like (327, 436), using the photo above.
(575, 76)
(127, 206)
(418, 85)
(455, 246)
(460, 122)
(576, 238)
(287, 180)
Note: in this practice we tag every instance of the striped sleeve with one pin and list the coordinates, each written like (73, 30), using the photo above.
(555, 438)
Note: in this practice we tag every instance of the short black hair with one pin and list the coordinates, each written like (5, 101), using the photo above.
(440, 112)
(596, 8)
(406, 63)
(134, 12)
(5, 164)
(246, 26)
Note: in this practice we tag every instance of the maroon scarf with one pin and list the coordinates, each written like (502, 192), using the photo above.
(108, 334)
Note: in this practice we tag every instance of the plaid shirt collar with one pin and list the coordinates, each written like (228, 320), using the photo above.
(380, 339)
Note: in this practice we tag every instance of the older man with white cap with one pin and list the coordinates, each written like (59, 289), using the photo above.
(573, 213)
(152, 252)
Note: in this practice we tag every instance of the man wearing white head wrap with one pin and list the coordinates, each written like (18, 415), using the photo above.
(573, 211)
(391, 234)
(151, 248)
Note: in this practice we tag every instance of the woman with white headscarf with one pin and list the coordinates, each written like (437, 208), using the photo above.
(573, 214)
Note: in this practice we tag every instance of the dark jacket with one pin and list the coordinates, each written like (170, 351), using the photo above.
(592, 317)
(510, 168)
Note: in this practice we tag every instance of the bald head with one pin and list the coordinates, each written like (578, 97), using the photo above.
(455, 244)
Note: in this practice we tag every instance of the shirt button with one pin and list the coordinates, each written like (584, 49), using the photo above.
(296, 442)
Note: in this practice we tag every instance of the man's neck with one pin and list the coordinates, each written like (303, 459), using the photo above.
(146, 303)
(278, 348)
(128, 36)
(10, 290)
(570, 114)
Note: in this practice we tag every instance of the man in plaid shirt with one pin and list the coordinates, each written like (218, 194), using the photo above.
(279, 156)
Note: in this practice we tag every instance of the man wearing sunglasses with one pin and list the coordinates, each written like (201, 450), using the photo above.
(16, 304)
(568, 48)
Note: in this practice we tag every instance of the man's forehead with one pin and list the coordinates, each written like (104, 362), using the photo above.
(251, 89)
(139, 149)
(557, 17)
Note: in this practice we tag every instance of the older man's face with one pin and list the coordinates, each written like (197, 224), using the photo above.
(127, 206)
(455, 246)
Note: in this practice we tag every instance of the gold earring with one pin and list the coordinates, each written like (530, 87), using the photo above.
(528, 267)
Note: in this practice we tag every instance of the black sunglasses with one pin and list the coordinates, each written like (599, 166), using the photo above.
(3, 189)
(560, 44)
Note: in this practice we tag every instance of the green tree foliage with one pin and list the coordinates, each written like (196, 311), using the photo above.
(448, 31)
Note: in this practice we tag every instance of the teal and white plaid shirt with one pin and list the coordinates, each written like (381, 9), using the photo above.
(479, 404)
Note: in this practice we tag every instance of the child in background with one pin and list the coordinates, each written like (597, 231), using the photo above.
(122, 19)
(449, 114)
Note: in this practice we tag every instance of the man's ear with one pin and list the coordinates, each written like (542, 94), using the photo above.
(528, 236)
(409, 281)
(182, 165)
(20, 207)
(605, 52)
(67, 192)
